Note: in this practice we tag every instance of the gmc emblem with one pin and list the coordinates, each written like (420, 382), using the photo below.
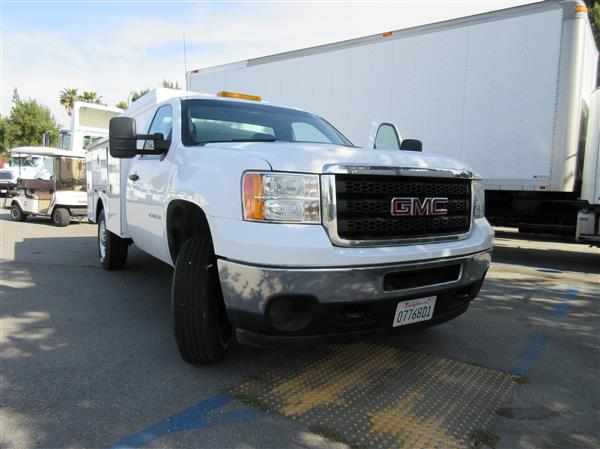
(409, 207)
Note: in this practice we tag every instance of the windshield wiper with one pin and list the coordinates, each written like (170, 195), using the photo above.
(239, 140)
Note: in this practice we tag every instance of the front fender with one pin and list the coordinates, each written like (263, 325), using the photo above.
(211, 178)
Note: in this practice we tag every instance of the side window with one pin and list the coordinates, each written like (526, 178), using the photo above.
(161, 123)
(305, 132)
(387, 138)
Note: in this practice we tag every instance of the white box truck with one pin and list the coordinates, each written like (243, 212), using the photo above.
(278, 227)
(509, 92)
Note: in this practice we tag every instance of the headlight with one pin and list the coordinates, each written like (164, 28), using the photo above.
(281, 197)
(478, 199)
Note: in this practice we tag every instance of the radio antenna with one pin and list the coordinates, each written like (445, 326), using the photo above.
(185, 62)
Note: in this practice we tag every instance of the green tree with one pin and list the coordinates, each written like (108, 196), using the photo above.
(3, 145)
(122, 104)
(90, 97)
(28, 122)
(67, 99)
(594, 15)
(135, 95)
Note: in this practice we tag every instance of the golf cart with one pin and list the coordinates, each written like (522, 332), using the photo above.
(62, 197)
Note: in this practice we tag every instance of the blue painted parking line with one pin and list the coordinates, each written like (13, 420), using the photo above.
(549, 270)
(536, 341)
(192, 418)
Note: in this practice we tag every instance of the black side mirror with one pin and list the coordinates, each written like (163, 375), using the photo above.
(411, 145)
(122, 139)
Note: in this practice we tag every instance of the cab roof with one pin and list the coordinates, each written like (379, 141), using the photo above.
(45, 151)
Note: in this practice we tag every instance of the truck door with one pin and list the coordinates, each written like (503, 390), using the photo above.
(147, 186)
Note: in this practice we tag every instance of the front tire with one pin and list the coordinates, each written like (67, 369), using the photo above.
(61, 217)
(16, 213)
(202, 329)
(112, 249)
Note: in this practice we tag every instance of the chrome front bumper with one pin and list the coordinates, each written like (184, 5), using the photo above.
(249, 288)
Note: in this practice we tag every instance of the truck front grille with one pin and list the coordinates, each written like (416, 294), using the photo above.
(5, 175)
(364, 205)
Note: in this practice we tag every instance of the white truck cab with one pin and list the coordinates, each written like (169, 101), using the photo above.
(278, 227)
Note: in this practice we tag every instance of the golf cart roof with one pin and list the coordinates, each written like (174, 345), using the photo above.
(45, 151)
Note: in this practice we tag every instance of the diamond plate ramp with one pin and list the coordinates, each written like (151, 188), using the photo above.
(372, 396)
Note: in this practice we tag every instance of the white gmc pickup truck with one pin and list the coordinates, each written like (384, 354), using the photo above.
(278, 227)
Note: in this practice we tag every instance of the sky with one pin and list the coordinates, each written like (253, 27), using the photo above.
(115, 47)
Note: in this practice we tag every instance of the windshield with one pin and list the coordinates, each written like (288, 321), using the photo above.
(69, 173)
(209, 121)
(27, 161)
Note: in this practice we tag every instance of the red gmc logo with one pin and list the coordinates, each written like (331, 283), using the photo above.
(405, 207)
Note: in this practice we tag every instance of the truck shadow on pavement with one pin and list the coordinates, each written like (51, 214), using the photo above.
(38, 220)
(571, 259)
(88, 356)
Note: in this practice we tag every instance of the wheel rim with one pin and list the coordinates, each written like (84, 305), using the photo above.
(14, 213)
(102, 239)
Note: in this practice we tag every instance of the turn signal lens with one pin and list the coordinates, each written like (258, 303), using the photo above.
(281, 197)
(253, 190)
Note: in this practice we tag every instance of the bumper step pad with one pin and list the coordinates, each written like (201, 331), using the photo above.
(373, 396)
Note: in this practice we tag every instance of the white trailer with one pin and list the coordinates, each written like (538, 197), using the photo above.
(507, 91)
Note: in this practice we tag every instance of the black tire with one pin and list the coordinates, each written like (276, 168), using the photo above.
(112, 249)
(202, 329)
(16, 213)
(61, 216)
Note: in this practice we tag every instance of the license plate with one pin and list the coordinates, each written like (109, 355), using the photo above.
(414, 311)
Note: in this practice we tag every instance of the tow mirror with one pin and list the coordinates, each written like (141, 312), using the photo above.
(411, 145)
(122, 139)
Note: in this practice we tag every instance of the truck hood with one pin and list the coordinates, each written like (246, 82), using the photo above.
(313, 158)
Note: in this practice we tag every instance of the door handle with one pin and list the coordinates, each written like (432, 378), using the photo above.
(134, 177)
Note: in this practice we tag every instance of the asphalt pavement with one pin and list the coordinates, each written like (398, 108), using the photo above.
(88, 360)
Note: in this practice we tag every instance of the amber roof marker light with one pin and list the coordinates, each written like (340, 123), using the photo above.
(238, 95)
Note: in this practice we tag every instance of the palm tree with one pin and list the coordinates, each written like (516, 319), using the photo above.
(135, 95)
(90, 97)
(67, 98)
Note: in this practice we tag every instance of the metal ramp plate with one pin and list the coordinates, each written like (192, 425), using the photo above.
(373, 396)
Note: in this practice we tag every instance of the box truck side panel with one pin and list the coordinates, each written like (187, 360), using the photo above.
(483, 90)
(510, 95)
(590, 190)
(590, 66)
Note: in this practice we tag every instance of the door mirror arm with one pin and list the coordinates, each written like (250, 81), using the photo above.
(123, 139)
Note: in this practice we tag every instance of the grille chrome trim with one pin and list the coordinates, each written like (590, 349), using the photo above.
(329, 203)
(338, 169)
